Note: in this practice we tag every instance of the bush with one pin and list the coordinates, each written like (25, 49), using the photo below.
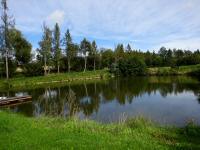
(34, 69)
(129, 67)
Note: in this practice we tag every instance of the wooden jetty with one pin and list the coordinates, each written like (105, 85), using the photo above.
(14, 101)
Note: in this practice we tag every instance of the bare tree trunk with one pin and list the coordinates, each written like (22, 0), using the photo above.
(85, 63)
(7, 75)
(4, 18)
(49, 70)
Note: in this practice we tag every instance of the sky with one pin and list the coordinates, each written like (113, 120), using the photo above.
(145, 24)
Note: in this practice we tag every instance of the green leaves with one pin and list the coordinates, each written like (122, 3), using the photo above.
(132, 66)
(21, 47)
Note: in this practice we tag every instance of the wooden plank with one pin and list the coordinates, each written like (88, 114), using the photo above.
(14, 100)
(15, 104)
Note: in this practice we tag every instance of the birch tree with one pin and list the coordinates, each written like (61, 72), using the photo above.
(46, 47)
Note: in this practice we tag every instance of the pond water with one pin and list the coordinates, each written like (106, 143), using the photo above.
(165, 100)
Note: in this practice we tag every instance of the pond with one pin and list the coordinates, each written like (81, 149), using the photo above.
(165, 100)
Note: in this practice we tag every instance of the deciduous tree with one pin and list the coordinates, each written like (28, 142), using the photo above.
(94, 53)
(7, 23)
(46, 47)
(70, 48)
(85, 48)
(56, 46)
(22, 48)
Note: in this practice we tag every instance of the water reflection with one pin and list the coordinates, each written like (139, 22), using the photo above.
(106, 100)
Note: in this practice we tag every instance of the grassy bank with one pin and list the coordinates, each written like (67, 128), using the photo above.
(79, 77)
(52, 79)
(182, 70)
(18, 132)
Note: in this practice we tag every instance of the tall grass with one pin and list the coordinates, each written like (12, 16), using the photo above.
(182, 70)
(18, 132)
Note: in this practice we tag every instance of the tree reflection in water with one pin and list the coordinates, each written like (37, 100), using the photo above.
(72, 100)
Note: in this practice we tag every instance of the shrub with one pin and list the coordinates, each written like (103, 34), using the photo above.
(129, 67)
(34, 69)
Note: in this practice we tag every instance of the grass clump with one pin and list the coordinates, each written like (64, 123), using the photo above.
(18, 132)
(182, 70)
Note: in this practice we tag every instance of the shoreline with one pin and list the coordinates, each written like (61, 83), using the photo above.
(78, 77)
(54, 79)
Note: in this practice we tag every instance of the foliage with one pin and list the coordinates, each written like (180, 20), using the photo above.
(70, 48)
(107, 58)
(85, 49)
(94, 53)
(132, 66)
(56, 46)
(128, 48)
(46, 47)
(86, 56)
(119, 52)
(6, 24)
(21, 47)
(33, 69)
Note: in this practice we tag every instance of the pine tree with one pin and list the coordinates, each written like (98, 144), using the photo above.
(128, 48)
(119, 52)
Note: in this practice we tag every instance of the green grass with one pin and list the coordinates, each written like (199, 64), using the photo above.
(182, 70)
(52, 79)
(79, 77)
(20, 133)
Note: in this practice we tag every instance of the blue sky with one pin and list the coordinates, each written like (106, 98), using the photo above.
(145, 24)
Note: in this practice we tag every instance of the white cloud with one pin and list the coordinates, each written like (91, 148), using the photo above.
(148, 23)
(185, 44)
(55, 17)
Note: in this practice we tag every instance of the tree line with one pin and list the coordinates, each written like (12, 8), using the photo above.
(58, 53)
(61, 54)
